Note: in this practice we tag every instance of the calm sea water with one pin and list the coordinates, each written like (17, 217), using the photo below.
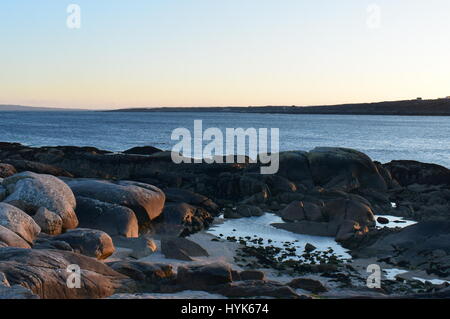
(384, 138)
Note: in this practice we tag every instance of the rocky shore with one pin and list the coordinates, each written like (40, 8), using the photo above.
(138, 226)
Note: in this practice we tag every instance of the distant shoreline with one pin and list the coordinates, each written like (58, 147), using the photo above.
(438, 107)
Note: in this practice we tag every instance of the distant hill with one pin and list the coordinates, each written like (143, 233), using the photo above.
(21, 108)
(438, 107)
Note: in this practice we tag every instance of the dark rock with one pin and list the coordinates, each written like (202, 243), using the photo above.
(3, 192)
(425, 246)
(348, 228)
(148, 276)
(278, 184)
(190, 218)
(89, 242)
(257, 288)
(353, 215)
(294, 166)
(250, 185)
(178, 195)
(412, 172)
(311, 285)
(111, 218)
(287, 198)
(345, 169)
(203, 277)
(40, 168)
(309, 247)
(147, 201)
(181, 248)
(299, 211)
(51, 243)
(309, 228)
(142, 246)
(383, 220)
(252, 275)
(143, 150)
(16, 292)
(293, 212)
(387, 176)
(45, 273)
(242, 211)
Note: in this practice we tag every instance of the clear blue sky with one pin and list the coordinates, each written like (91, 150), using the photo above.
(230, 52)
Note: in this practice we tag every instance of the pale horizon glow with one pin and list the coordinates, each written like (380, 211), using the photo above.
(156, 53)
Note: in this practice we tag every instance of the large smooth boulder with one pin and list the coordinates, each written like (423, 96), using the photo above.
(299, 210)
(344, 169)
(12, 239)
(242, 211)
(89, 242)
(279, 184)
(19, 222)
(294, 165)
(111, 218)
(339, 218)
(184, 218)
(336, 211)
(149, 276)
(250, 184)
(31, 191)
(178, 195)
(204, 277)
(412, 172)
(425, 246)
(146, 201)
(49, 222)
(45, 273)
(140, 247)
(181, 249)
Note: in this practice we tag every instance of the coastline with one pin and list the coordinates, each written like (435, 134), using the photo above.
(140, 225)
(439, 107)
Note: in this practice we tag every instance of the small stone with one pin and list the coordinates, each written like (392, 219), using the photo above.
(383, 220)
(311, 285)
(309, 247)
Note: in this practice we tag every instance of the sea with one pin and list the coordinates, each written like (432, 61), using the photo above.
(383, 138)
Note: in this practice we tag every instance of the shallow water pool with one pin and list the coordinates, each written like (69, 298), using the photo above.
(260, 227)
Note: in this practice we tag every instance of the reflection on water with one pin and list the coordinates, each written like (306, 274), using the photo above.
(392, 273)
(395, 221)
(260, 227)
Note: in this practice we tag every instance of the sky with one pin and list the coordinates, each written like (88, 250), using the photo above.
(151, 53)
